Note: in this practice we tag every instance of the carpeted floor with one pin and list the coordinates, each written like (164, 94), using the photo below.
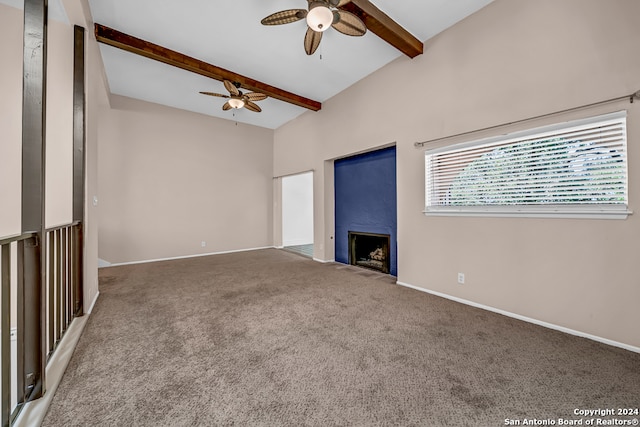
(269, 338)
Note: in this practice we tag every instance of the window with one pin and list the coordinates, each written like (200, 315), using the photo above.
(576, 169)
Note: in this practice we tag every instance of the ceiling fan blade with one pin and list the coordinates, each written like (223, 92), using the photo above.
(349, 24)
(214, 94)
(311, 41)
(233, 90)
(255, 96)
(252, 107)
(226, 106)
(284, 17)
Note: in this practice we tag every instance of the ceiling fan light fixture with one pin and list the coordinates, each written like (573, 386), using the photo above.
(236, 103)
(320, 17)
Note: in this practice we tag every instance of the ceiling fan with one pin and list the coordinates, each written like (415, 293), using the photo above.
(321, 15)
(238, 99)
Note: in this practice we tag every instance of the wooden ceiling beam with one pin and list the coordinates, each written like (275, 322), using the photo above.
(384, 27)
(150, 50)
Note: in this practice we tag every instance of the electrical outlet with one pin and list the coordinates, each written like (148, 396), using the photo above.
(203, 243)
(461, 278)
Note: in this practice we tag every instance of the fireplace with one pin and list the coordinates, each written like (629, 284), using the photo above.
(369, 250)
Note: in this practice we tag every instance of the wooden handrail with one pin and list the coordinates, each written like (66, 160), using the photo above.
(17, 237)
(24, 236)
(60, 227)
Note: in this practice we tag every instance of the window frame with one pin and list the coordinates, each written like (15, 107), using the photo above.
(551, 210)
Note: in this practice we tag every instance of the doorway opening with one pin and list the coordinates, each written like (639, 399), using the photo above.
(297, 213)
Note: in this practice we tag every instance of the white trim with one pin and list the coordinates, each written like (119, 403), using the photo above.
(103, 263)
(95, 299)
(294, 173)
(365, 151)
(33, 412)
(526, 319)
(323, 261)
(189, 256)
(577, 212)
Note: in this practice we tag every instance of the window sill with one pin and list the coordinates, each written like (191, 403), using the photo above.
(529, 212)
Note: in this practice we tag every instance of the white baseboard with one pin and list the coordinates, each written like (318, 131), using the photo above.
(93, 303)
(33, 412)
(117, 264)
(526, 319)
(103, 263)
(324, 261)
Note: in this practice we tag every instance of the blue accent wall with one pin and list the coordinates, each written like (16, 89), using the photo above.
(365, 200)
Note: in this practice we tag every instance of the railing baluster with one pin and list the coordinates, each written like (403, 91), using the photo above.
(78, 259)
(20, 368)
(5, 327)
(71, 263)
(53, 270)
(65, 280)
(58, 310)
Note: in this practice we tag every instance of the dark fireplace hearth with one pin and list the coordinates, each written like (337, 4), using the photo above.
(369, 250)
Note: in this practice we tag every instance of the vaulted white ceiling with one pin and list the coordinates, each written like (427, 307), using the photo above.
(228, 34)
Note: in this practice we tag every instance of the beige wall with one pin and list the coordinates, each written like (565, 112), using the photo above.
(59, 167)
(512, 60)
(170, 179)
(10, 118)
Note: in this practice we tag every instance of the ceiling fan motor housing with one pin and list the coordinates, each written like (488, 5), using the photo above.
(320, 16)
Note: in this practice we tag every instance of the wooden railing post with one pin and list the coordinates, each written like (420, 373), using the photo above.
(79, 163)
(5, 328)
(31, 339)
(30, 358)
(77, 283)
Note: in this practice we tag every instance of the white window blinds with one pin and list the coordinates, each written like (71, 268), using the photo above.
(578, 167)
